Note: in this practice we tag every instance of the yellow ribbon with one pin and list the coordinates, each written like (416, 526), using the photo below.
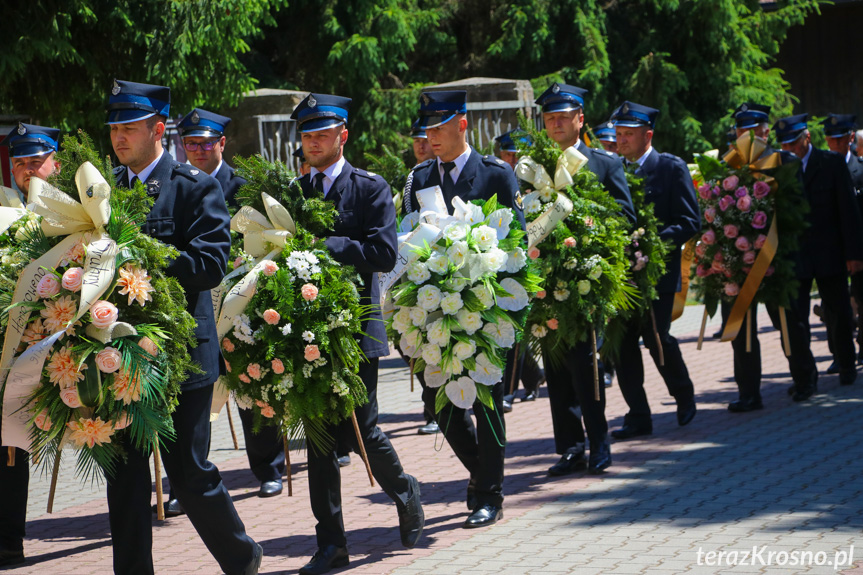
(264, 237)
(685, 265)
(747, 152)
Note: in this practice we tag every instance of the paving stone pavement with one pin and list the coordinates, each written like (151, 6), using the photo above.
(784, 480)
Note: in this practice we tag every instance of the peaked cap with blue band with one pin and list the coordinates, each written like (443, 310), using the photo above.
(507, 140)
(321, 111)
(202, 123)
(790, 128)
(438, 108)
(605, 132)
(561, 98)
(418, 131)
(131, 102)
(27, 140)
(838, 125)
(748, 115)
(632, 115)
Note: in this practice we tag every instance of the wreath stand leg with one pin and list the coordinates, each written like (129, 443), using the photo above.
(783, 322)
(160, 497)
(362, 447)
(595, 366)
(412, 375)
(749, 330)
(231, 424)
(53, 488)
(656, 335)
(514, 364)
(288, 466)
(701, 333)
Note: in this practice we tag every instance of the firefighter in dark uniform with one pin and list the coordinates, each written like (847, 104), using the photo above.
(189, 213)
(668, 186)
(462, 171)
(607, 137)
(571, 384)
(364, 237)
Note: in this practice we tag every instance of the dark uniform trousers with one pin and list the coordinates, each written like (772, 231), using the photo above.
(14, 484)
(630, 368)
(325, 477)
(265, 449)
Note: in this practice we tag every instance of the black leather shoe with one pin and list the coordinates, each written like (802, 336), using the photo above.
(344, 460)
(600, 458)
(571, 461)
(848, 376)
(325, 560)
(629, 431)
(529, 396)
(270, 488)
(804, 392)
(484, 516)
(412, 518)
(686, 412)
(608, 378)
(833, 369)
(9, 557)
(507, 406)
(429, 428)
(255, 565)
(172, 508)
(745, 405)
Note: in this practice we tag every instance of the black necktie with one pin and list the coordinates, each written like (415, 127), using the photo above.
(318, 183)
(448, 185)
(132, 181)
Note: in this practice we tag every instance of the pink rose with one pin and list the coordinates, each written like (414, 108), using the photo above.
(732, 289)
(552, 324)
(149, 346)
(749, 258)
(759, 241)
(740, 192)
(48, 286)
(716, 191)
(744, 204)
(717, 267)
(730, 231)
(708, 237)
(759, 220)
(760, 189)
(103, 314)
(730, 182)
(228, 345)
(742, 244)
(770, 271)
(700, 250)
(533, 253)
(569, 242)
(726, 202)
(123, 421)
(717, 257)
(69, 396)
(309, 292)
(540, 294)
(705, 192)
(42, 421)
(702, 271)
(312, 353)
(710, 214)
(72, 279)
(109, 360)
(278, 366)
(269, 267)
(245, 378)
(271, 316)
(254, 371)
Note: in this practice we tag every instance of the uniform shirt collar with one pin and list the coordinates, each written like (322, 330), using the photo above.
(460, 161)
(145, 173)
(805, 159)
(216, 171)
(331, 172)
(848, 157)
(640, 161)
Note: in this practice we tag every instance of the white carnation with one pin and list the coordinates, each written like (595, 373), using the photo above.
(452, 367)
(428, 297)
(437, 264)
(451, 303)
(418, 316)
(485, 237)
(431, 354)
(418, 273)
(402, 319)
(495, 260)
(456, 231)
(457, 253)
(484, 295)
(464, 349)
(470, 321)
(437, 333)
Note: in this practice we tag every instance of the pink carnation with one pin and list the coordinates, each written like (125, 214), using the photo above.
(311, 353)
(730, 182)
(732, 289)
(103, 314)
(744, 204)
(710, 214)
(730, 231)
(278, 366)
(254, 371)
(69, 396)
(708, 237)
(109, 360)
(245, 378)
(72, 279)
(742, 244)
(266, 410)
(759, 220)
(48, 286)
(569, 242)
(533, 253)
(726, 202)
(540, 294)
(552, 324)
(228, 345)
(309, 292)
(749, 258)
(760, 189)
(269, 267)
(759, 241)
(271, 316)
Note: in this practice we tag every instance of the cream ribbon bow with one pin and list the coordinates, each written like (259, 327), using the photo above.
(11, 208)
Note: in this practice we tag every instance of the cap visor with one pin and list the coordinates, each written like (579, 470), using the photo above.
(30, 151)
(318, 124)
(790, 138)
(630, 124)
(561, 107)
(128, 116)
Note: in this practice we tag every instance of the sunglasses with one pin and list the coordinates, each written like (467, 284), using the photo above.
(206, 146)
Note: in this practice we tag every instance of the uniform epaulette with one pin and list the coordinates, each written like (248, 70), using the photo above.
(423, 164)
(606, 152)
(118, 170)
(493, 161)
(188, 171)
(366, 174)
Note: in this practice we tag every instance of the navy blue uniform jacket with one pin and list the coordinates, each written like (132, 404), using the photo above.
(230, 182)
(189, 213)
(609, 171)
(481, 178)
(668, 186)
(855, 166)
(835, 234)
(364, 236)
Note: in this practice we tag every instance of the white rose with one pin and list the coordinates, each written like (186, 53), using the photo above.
(503, 333)
(431, 354)
(457, 253)
(418, 316)
(437, 264)
(456, 283)
(451, 303)
(500, 220)
(428, 297)
(561, 294)
(583, 287)
(464, 350)
(516, 260)
(456, 231)
(485, 297)
(418, 273)
(485, 237)
(401, 319)
(470, 321)
(495, 260)
(437, 333)
(538, 331)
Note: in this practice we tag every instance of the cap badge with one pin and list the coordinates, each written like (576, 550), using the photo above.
(195, 117)
(312, 102)
(555, 89)
(781, 125)
(21, 129)
(744, 108)
(426, 100)
(834, 120)
(624, 108)
(116, 89)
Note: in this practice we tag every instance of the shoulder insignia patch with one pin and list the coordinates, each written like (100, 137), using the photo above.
(194, 172)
